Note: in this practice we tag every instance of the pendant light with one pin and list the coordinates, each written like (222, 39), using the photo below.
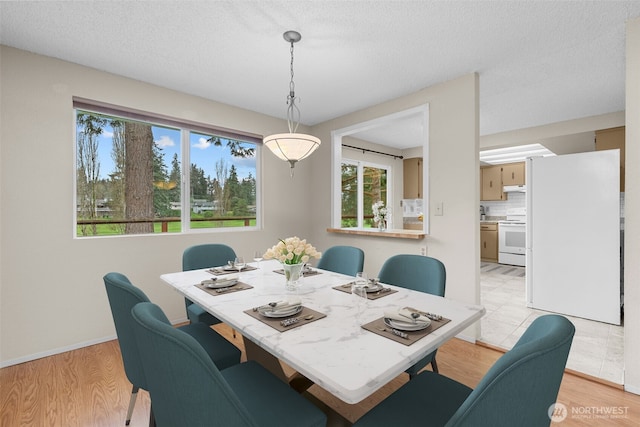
(292, 147)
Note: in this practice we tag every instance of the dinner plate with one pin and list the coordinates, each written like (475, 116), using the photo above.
(406, 326)
(217, 284)
(374, 288)
(269, 312)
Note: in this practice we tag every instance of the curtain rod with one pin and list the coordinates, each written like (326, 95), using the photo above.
(373, 151)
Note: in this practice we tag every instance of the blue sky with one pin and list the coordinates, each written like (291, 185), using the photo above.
(203, 154)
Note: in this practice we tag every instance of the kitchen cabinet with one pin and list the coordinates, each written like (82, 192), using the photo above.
(494, 178)
(412, 178)
(610, 139)
(492, 183)
(513, 174)
(489, 242)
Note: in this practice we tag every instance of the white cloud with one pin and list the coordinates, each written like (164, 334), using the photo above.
(202, 144)
(107, 134)
(165, 141)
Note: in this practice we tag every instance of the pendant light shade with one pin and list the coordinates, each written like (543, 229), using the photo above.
(292, 147)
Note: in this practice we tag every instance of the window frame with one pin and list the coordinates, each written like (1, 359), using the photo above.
(360, 166)
(185, 127)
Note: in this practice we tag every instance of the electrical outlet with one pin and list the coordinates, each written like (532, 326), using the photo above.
(439, 209)
(423, 250)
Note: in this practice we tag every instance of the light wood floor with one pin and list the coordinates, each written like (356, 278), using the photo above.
(88, 387)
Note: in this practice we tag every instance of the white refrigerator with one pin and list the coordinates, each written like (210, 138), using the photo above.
(573, 235)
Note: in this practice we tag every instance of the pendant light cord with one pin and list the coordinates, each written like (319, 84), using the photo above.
(293, 112)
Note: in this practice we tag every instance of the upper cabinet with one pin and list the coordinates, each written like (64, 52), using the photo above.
(412, 179)
(493, 178)
(609, 139)
(513, 174)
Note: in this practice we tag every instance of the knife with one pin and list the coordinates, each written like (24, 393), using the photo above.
(431, 316)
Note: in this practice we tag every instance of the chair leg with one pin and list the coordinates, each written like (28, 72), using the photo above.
(132, 403)
(434, 365)
(152, 418)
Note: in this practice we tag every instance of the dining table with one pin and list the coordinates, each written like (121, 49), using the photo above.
(329, 346)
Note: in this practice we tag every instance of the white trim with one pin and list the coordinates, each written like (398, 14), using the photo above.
(336, 156)
(467, 338)
(55, 351)
(632, 389)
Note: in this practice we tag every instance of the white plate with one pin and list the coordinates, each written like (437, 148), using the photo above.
(269, 312)
(217, 284)
(374, 288)
(406, 326)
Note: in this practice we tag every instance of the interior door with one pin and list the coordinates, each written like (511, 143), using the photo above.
(573, 235)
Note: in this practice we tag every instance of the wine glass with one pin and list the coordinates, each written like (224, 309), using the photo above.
(257, 257)
(359, 290)
(239, 263)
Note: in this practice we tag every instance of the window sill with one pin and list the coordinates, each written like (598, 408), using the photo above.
(393, 233)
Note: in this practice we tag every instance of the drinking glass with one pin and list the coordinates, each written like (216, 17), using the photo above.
(239, 263)
(257, 257)
(359, 290)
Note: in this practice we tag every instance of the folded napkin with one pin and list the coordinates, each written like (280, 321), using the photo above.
(283, 305)
(229, 278)
(405, 315)
(221, 281)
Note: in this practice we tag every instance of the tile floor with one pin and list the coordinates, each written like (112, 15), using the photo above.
(597, 348)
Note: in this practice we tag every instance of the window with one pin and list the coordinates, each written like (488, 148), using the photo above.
(363, 184)
(130, 177)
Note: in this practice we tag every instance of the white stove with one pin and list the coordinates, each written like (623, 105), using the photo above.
(512, 234)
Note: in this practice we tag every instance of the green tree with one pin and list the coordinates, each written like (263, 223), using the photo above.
(139, 177)
(88, 168)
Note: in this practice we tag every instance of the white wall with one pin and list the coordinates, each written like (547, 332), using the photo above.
(570, 133)
(452, 161)
(632, 212)
(52, 294)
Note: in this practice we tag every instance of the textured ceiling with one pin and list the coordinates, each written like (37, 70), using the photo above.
(539, 62)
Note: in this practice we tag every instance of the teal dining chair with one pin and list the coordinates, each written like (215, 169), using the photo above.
(347, 260)
(204, 256)
(520, 389)
(418, 273)
(123, 296)
(187, 389)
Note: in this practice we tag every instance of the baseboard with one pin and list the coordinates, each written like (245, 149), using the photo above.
(467, 338)
(632, 389)
(52, 352)
(55, 351)
(567, 370)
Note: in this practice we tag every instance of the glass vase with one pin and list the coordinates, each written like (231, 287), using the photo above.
(382, 225)
(292, 274)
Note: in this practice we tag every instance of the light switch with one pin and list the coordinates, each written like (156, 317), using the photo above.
(439, 209)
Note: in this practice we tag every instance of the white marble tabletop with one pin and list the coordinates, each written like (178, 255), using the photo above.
(334, 352)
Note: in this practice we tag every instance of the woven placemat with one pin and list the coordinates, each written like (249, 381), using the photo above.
(276, 324)
(304, 274)
(220, 271)
(221, 291)
(370, 295)
(379, 327)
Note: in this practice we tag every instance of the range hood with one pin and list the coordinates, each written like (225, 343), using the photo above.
(514, 189)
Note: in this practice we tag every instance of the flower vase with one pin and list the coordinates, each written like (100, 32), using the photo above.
(382, 225)
(292, 274)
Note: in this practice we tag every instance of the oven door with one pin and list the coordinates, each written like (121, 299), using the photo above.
(512, 238)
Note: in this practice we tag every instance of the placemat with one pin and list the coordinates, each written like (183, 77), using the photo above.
(304, 274)
(221, 291)
(220, 271)
(276, 324)
(378, 327)
(370, 295)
